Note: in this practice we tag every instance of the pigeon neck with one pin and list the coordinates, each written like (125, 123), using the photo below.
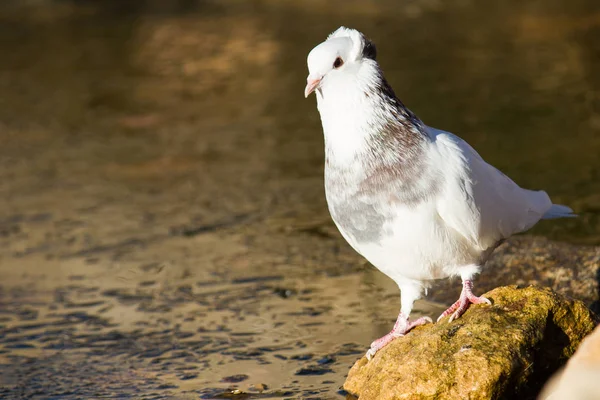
(363, 119)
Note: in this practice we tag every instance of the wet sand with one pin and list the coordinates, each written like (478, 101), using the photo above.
(163, 229)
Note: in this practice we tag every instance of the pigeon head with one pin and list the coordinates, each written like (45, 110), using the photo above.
(341, 54)
(360, 113)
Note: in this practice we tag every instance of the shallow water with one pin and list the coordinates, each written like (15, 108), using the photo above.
(103, 335)
(162, 210)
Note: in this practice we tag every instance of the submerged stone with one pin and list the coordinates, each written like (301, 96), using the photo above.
(507, 350)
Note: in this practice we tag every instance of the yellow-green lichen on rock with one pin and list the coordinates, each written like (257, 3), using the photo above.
(503, 351)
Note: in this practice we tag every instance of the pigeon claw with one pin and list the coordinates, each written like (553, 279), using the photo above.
(370, 354)
(465, 305)
(401, 328)
(467, 298)
(457, 309)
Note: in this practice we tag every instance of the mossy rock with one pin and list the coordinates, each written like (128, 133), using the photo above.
(504, 351)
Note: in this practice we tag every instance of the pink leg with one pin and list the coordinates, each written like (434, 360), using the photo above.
(401, 328)
(466, 298)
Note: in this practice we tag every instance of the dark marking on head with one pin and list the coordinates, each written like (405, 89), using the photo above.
(369, 50)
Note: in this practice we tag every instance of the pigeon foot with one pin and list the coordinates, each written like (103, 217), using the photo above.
(462, 304)
(401, 328)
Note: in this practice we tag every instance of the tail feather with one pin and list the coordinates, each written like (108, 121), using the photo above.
(559, 211)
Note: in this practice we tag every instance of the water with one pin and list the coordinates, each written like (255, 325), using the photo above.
(162, 208)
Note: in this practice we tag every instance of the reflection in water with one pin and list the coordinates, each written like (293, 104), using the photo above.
(161, 172)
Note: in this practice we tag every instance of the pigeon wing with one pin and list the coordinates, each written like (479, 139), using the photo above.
(477, 200)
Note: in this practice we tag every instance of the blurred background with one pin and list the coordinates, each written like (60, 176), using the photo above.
(162, 211)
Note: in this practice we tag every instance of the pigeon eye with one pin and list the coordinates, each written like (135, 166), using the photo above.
(338, 62)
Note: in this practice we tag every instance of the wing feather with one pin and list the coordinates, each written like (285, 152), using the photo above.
(479, 201)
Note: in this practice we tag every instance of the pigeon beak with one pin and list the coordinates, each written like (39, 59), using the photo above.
(311, 84)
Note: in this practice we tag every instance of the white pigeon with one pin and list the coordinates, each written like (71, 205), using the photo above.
(417, 202)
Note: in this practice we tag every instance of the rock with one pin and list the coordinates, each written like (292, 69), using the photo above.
(579, 380)
(507, 350)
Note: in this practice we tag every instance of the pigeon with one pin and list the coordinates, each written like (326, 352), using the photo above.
(418, 203)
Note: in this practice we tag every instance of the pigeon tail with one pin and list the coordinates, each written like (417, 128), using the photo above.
(559, 211)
